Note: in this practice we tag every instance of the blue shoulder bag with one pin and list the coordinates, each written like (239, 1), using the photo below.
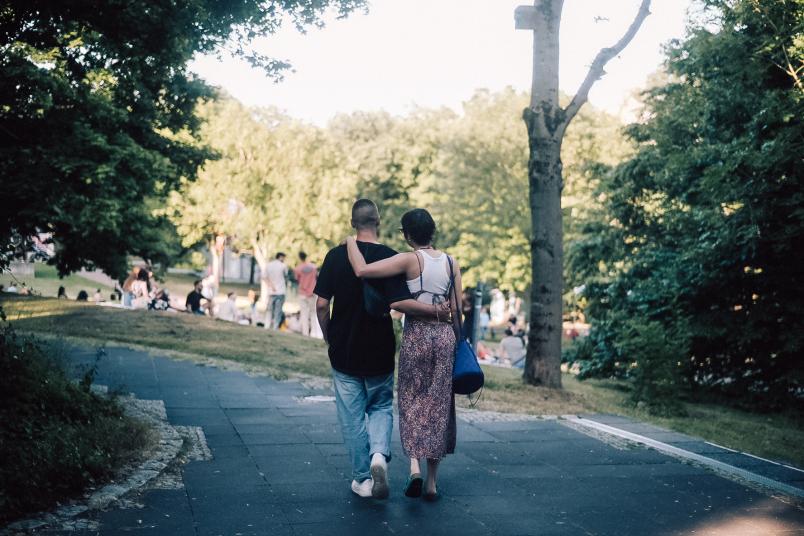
(467, 376)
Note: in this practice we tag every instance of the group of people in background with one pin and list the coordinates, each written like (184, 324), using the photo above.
(275, 279)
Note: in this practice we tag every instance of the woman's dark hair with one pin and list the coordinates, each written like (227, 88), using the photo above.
(418, 226)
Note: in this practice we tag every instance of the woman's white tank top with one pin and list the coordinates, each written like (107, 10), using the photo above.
(434, 283)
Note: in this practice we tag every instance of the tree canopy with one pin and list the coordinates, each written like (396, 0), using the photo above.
(699, 232)
(280, 184)
(97, 113)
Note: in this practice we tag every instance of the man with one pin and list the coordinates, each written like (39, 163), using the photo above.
(361, 351)
(306, 276)
(193, 301)
(275, 273)
(228, 310)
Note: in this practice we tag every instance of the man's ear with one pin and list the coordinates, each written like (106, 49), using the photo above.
(352, 222)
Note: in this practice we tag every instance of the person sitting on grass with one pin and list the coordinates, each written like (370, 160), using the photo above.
(62, 293)
(512, 349)
(194, 304)
(82, 296)
(228, 310)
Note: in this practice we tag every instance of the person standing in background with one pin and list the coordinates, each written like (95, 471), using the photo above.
(275, 274)
(306, 274)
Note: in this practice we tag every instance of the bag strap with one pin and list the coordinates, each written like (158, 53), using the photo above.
(421, 271)
(456, 318)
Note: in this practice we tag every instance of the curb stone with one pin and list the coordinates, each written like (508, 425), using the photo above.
(168, 448)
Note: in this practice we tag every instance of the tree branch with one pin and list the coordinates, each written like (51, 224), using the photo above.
(603, 57)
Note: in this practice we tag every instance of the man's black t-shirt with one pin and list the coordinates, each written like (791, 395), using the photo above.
(359, 344)
(194, 301)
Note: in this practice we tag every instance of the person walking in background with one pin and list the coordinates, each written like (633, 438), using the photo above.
(426, 401)
(306, 274)
(485, 320)
(276, 273)
(361, 351)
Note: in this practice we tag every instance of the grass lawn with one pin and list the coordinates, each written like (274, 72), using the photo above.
(775, 436)
(46, 282)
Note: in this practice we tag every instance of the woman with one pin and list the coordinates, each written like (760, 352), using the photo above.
(141, 290)
(426, 401)
(128, 294)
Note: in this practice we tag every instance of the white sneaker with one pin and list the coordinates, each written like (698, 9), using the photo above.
(363, 489)
(379, 475)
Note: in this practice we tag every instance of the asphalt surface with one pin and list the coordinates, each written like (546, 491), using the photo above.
(279, 468)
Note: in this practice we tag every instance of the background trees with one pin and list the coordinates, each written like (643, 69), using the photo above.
(275, 186)
(278, 184)
(93, 96)
(699, 232)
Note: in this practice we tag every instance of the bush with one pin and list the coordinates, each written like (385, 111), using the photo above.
(655, 353)
(56, 436)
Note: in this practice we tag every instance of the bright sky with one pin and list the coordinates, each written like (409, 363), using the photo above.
(437, 52)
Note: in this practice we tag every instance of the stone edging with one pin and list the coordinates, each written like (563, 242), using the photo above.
(169, 446)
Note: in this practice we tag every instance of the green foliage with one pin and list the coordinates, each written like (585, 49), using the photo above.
(279, 184)
(482, 183)
(655, 353)
(702, 226)
(275, 186)
(56, 436)
(97, 112)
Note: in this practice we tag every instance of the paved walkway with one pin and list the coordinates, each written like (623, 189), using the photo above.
(279, 468)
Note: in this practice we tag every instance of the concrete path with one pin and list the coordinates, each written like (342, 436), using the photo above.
(279, 468)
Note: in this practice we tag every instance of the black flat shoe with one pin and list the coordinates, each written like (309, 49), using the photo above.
(413, 487)
(431, 497)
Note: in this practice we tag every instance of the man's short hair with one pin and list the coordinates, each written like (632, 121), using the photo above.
(365, 214)
(280, 254)
(303, 255)
(197, 282)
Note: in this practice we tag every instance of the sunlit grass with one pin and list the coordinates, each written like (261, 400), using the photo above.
(775, 436)
(46, 282)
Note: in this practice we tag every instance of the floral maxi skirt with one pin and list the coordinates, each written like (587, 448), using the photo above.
(426, 402)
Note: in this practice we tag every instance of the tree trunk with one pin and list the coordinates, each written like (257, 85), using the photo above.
(215, 261)
(543, 361)
(543, 119)
(547, 122)
(260, 254)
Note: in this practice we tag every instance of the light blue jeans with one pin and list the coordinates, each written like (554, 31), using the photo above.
(275, 309)
(365, 413)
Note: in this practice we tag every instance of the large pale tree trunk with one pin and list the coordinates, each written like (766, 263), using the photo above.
(543, 361)
(546, 123)
(261, 255)
(216, 249)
